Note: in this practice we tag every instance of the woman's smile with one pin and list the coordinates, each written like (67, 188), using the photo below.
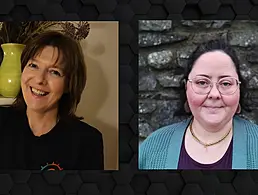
(213, 109)
(38, 92)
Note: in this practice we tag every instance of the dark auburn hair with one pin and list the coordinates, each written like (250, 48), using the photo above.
(72, 60)
(209, 46)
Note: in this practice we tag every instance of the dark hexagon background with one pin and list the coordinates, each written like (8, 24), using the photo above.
(128, 180)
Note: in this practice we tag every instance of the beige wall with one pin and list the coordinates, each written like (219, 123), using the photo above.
(99, 104)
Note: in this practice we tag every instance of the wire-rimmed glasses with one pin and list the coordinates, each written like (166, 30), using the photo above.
(203, 85)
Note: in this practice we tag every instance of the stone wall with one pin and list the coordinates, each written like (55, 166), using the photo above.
(165, 46)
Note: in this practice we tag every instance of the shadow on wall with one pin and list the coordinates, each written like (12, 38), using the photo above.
(96, 89)
(94, 98)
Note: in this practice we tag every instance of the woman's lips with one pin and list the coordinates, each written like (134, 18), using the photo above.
(37, 93)
(212, 109)
(213, 106)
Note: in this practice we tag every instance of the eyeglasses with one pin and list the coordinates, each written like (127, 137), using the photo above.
(203, 85)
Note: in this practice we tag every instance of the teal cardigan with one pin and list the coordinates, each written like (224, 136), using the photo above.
(161, 149)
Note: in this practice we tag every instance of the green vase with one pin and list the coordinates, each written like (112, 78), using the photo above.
(10, 70)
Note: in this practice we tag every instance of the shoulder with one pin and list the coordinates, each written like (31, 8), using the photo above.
(153, 150)
(81, 128)
(250, 127)
(164, 133)
(7, 112)
(245, 121)
(250, 130)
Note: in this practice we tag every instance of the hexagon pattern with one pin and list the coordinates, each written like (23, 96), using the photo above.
(126, 34)
(157, 12)
(36, 6)
(88, 12)
(242, 7)
(128, 180)
(140, 7)
(54, 12)
(71, 183)
(7, 183)
(20, 2)
(20, 13)
(157, 188)
(20, 189)
(140, 183)
(176, 6)
(106, 6)
(71, 7)
(209, 7)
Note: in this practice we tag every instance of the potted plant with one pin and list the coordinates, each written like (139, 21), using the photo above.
(13, 38)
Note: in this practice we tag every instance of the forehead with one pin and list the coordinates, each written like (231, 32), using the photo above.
(214, 64)
(49, 55)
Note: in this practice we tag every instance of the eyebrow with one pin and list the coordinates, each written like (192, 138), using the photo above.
(53, 66)
(222, 76)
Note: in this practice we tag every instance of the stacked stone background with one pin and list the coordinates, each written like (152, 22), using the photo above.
(164, 48)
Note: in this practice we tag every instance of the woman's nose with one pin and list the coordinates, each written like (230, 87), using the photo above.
(214, 92)
(41, 78)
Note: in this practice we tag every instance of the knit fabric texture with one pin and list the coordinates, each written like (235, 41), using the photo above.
(161, 149)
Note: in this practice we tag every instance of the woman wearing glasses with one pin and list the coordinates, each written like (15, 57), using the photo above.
(213, 137)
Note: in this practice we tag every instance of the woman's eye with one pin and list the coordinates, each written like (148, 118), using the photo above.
(226, 84)
(202, 82)
(31, 65)
(55, 72)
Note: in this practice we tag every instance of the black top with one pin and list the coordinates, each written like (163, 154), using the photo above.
(70, 145)
(186, 162)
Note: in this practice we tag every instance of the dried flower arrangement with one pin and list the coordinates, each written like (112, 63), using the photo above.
(77, 32)
(22, 32)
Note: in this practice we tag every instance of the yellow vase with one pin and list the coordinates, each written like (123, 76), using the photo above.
(10, 70)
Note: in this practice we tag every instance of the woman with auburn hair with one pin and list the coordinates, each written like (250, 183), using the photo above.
(40, 131)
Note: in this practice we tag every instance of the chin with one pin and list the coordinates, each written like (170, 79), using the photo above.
(35, 108)
(213, 120)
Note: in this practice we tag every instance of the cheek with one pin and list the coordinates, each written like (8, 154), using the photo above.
(24, 78)
(194, 100)
(232, 101)
(57, 87)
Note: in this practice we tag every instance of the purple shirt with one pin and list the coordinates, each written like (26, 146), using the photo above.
(186, 162)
